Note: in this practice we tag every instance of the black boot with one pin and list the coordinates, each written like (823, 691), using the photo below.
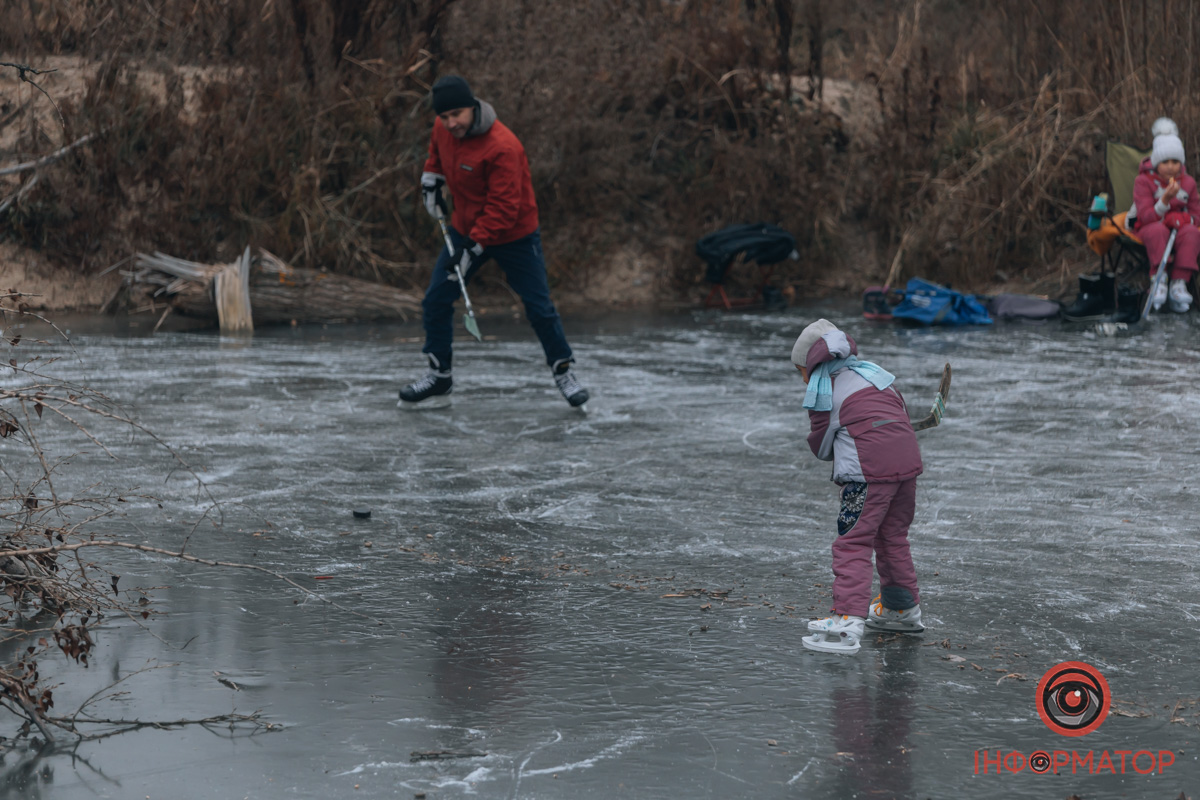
(431, 391)
(1096, 300)
(1129, 304)
(773, 299)
(565, 380)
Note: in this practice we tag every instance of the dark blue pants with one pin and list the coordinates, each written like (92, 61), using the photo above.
(524, 269)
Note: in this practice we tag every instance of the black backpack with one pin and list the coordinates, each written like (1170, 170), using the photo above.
(760, 242)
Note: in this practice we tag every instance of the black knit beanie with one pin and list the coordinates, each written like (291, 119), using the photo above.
(451, 92)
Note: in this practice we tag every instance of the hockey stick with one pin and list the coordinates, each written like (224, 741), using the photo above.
(1160, 276)
(939, 404)
(469, 318)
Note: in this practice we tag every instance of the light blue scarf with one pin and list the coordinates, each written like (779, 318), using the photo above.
(819, 396)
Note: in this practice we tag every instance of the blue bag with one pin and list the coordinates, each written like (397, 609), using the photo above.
(931, 304)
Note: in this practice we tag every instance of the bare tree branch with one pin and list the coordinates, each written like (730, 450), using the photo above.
(16, 690)
(24, 69)
(48, 159)
(17, 195)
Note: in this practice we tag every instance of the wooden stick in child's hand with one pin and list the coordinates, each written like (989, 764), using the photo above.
(939, 404)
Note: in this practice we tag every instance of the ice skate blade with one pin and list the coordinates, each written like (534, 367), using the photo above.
(892, 627)
(819, 643)
(439, 401)
(581, 408)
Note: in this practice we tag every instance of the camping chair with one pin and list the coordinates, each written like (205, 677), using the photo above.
(762, 243)
(1121, 252)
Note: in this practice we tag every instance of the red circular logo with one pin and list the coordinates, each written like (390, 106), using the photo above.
(1072, 698)
(1039, 762)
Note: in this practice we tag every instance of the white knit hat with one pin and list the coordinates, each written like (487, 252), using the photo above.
(1166, 147)
(808, 337)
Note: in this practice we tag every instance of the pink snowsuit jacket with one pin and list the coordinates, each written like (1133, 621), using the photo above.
(1147, 191)
(867, 434)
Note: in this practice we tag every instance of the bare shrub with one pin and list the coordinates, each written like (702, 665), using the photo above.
(58, 585)
(300, 126)
(288, 125)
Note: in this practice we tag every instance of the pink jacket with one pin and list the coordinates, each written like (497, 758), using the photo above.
(1148, 188)
(866, 434)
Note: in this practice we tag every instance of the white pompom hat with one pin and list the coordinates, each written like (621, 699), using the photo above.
(1166, 147)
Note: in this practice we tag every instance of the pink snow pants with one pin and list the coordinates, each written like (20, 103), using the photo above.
(874, 517)
(1183, 254)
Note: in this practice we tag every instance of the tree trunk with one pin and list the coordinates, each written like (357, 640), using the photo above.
(303, 295)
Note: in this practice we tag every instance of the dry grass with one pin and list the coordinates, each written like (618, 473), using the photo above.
(299, 126)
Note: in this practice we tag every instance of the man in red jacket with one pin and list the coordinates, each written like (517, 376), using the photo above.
(483, 164)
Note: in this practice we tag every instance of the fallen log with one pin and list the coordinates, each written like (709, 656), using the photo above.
(278, 292)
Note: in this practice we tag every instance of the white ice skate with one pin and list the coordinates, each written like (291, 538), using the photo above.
(1160, 296)
(823, 625)
(887, 619)
(839, 635)
(1181, 299)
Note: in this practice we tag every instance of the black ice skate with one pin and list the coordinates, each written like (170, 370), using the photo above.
(570, 387)
(431, 391)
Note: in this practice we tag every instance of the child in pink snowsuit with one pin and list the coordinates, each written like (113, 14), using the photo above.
(1165, 199)
(860, 423)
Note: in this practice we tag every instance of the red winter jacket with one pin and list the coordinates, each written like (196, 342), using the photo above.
(487, 174)
(866, 434)
(1148, 188)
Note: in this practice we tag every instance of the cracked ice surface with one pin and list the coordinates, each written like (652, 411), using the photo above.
(521, 553)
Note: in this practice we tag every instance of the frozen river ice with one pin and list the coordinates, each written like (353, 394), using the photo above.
(611, 605)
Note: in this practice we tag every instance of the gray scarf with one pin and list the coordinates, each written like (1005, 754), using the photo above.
(485, 117)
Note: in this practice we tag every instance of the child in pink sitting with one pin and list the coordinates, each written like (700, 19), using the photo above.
(1164, 200)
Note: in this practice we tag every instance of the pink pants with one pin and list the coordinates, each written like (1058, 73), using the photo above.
(874, 518)
(1183, 254)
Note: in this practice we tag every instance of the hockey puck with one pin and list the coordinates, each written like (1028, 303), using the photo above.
(362, 513)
